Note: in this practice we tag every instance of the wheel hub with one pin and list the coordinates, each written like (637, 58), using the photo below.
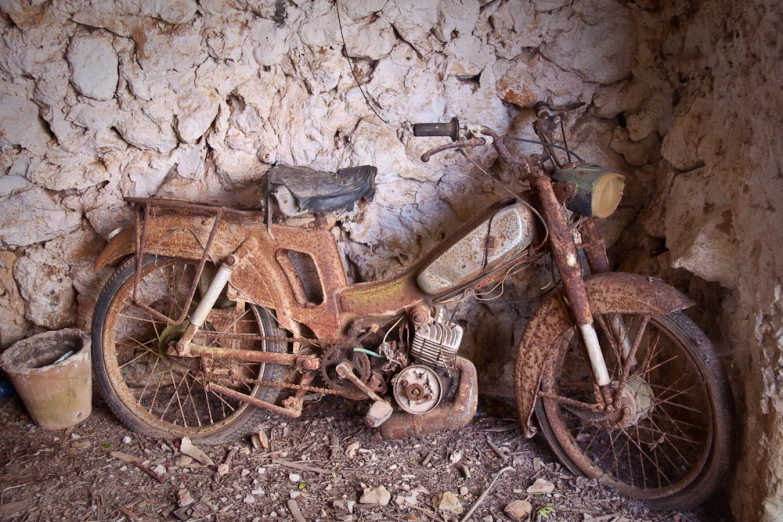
(636, 403)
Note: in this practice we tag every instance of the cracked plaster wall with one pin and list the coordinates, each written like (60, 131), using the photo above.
(100, 100)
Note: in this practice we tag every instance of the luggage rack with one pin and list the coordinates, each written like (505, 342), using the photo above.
(149, 207)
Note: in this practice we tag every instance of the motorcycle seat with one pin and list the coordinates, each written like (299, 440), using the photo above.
(299, 190)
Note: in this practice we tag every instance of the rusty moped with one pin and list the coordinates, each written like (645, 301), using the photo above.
(216, 315)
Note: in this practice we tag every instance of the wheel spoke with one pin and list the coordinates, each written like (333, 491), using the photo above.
(653, 450)
(152, 372)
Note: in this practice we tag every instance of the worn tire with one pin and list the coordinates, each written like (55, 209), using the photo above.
(118, 392)
(706, 480)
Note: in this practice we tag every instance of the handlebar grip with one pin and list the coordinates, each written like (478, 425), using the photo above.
(450, 129)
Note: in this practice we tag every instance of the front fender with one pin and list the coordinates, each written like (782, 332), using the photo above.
(610, 292)
(176, 235)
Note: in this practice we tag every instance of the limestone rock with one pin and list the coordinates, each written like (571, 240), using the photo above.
(269, 41)
(636, 153)
(94, 66)
(541, 487)
(33, 216)
(146, 133)
(456, 18)
(468, 56)
(14, 326)
(448, 502)
(47, 289)
(527, 82)
(379, 496)
(518, 509)
(611, 100)
(514, 28)
(196, 112)
(598, 44)
(681, 144)
(699, 229)
(371, 39)
(10, 185)
(172, 11)
(20, 124)
(63, 171)
(357, 9)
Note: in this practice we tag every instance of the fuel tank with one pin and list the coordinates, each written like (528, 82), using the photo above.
(500, 237)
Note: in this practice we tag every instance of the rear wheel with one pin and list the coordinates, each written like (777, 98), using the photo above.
(669, 442)
(166, 396)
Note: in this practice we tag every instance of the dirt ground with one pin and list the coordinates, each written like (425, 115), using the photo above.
(323, 462)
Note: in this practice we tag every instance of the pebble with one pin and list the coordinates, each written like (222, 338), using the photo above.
(258, 492)
(541, 487)
(183, 461)
(345, 505)
(294, 494)
(455, 457)
(127, 439)
(294, 478)
(245, 473)
(447, 502)
(249, 499)
(351, 450)
(159, 470)
(519, 509)
(184, 498)
(261, 471)
(463, 491)
(378, 496)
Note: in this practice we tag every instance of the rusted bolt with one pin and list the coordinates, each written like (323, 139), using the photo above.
(231, 260)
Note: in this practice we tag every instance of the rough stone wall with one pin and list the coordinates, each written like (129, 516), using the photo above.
(721, 191)
(104, 99)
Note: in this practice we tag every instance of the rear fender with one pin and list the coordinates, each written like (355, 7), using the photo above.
(610, 292)
(175, 236)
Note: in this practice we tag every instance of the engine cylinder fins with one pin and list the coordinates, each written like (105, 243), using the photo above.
(436, 344)
(417, 389)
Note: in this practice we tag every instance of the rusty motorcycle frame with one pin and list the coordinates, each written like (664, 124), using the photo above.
(357, 338)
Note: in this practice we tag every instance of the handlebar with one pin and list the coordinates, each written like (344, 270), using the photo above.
(450, 130)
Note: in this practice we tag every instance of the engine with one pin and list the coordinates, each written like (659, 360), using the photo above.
(419, 388)
(436, 344)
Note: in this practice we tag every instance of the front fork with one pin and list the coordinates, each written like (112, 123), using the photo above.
(567, 262)
(208, 300)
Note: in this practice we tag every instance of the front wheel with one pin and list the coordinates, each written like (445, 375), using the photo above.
(165, 396)
(669, 443)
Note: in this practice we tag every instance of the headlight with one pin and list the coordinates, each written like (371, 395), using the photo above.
(598, 190)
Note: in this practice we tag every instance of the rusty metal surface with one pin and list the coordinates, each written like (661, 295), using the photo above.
(503, 235)
(594, 248)
(613, 292)
(449, 416)
(387, 298)
(259, 277)
(287, 359)
(564, 253)
(228, 392)
(473, 142)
